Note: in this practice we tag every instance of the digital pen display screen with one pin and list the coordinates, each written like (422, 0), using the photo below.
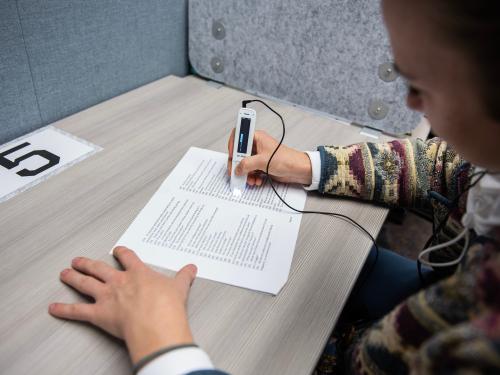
(244, 132)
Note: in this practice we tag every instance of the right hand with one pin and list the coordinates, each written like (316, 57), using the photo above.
(288, 165)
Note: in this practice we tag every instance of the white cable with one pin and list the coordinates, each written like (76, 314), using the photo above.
(482, 215)
(465, 233)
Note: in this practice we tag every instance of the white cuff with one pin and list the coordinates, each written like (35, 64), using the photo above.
(178, 362)
(316, 170)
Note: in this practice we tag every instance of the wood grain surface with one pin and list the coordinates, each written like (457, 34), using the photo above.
(84, 210)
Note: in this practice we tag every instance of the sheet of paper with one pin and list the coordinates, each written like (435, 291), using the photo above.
(247, 241)
(31, 159)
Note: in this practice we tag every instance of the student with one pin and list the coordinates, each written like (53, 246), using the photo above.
(449, 52)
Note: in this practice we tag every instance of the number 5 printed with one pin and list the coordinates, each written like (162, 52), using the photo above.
(9, 164)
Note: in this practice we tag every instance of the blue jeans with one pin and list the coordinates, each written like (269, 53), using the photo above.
(383, 285)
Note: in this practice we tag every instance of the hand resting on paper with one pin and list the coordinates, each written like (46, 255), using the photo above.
(288, 165)
(139, 305)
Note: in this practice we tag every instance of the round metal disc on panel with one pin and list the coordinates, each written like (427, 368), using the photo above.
(378, 109)
(218, 30)
(387, 72)
(217, 65)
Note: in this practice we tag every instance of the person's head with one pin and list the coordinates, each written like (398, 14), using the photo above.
(449, 51)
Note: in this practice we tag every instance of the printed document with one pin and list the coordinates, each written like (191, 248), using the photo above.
(246, 241)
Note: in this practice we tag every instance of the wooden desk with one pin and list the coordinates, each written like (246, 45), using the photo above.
(85, 209)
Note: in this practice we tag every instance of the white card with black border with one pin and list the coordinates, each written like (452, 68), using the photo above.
(31, 159)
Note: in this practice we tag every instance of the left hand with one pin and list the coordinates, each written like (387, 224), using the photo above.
(139, 305)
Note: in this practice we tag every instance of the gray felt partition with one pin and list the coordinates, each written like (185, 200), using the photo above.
(332, 56)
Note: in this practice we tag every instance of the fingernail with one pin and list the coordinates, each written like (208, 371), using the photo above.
(194, 269)
(237, 170)
(76, 260)
(64, 272)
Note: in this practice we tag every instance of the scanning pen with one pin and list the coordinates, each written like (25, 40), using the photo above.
(243, 141)
(242, 147)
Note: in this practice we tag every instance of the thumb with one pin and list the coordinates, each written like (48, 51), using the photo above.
(249, 164)
(185, 277)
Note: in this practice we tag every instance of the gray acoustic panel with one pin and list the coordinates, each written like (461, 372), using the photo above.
(332, 56)
(84, 52)
(18, 109)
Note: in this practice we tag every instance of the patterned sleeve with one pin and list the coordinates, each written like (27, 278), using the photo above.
(392, 344)
(397, 173)
(454, 324)
(472, 348)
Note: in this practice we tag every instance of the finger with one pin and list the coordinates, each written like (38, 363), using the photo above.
(127, 258)
(73, 311)
(83, 283)
(95, 268)
(229, 166)
(230, 144)
(185, 277)
(258, 180)
(249, 164)
(251, 180)
(259, 137)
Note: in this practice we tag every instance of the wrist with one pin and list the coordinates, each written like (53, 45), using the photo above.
(302, 168)
(142, 340)
(144, 361)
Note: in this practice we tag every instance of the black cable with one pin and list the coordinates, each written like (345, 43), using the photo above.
(342, 216)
